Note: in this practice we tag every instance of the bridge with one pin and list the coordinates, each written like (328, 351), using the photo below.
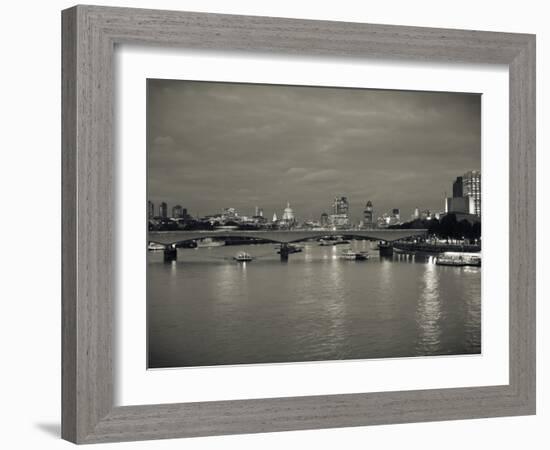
(283, 237)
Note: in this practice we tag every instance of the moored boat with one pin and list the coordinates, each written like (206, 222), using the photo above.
(459, 259)
(290, 249)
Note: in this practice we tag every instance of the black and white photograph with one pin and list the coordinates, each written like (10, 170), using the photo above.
(267, 225)
(297, 223)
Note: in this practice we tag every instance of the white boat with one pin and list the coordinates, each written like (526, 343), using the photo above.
(459, 259)
(243, 257)
(354, 256)
(209, 242)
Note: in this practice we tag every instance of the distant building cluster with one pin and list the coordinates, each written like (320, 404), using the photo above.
(425, 214)
(340, 213)
(390, 218)
(465, 203)
(178, 212)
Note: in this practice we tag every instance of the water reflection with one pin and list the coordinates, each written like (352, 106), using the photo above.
(308, 255)
(405, 257)
(206, 309)
(472, 322)
(428, 313)
(229, 283)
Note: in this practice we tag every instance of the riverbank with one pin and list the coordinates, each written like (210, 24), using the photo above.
(436, 248)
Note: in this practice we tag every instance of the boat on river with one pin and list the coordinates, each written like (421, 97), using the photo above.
(350, 255)
(459, 259)
(243, 257)
(291, 248)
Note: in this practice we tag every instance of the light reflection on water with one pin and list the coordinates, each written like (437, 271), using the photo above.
(428, 312)
(206, 309)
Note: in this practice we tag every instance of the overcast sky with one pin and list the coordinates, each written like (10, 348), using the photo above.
(215, 145)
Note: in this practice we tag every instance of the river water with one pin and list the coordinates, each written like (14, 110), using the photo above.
(206, 309)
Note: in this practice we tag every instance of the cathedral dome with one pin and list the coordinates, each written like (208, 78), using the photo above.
(288, 213)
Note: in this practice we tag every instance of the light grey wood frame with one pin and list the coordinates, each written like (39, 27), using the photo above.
(89, 36)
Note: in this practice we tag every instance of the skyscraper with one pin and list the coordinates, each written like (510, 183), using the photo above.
(471, 187)
(324, 219)
(466, 197)
(177, 212)
(368, 215)
(458, 188)
(163, 210)
(340, 205)
(150, 209)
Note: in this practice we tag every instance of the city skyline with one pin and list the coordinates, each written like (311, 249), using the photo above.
(340, 205)
(218, 145)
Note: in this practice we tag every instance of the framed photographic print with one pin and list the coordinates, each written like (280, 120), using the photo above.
(276, 224)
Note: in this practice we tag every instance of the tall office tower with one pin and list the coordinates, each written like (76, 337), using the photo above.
(340, 205)
(163, 210)
(150, 209)
(458, 188)
(177, 212)
(368, 215)
(471, 187)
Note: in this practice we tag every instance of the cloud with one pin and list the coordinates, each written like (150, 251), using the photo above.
(227, 144)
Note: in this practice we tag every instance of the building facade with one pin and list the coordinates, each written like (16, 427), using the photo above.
(458, 188)
(462, 205)
(395, 215)
(471, 187)
(163, 210)
(177, 212)
(340, 206)
(338, 220)
(466, 197)
(368, 215)
(288, 214)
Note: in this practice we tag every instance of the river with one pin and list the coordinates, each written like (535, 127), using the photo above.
(206, 309)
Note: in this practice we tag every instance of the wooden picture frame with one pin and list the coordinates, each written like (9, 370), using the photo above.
(90, 34)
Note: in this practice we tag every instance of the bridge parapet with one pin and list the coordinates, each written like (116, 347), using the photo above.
(286, 236)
